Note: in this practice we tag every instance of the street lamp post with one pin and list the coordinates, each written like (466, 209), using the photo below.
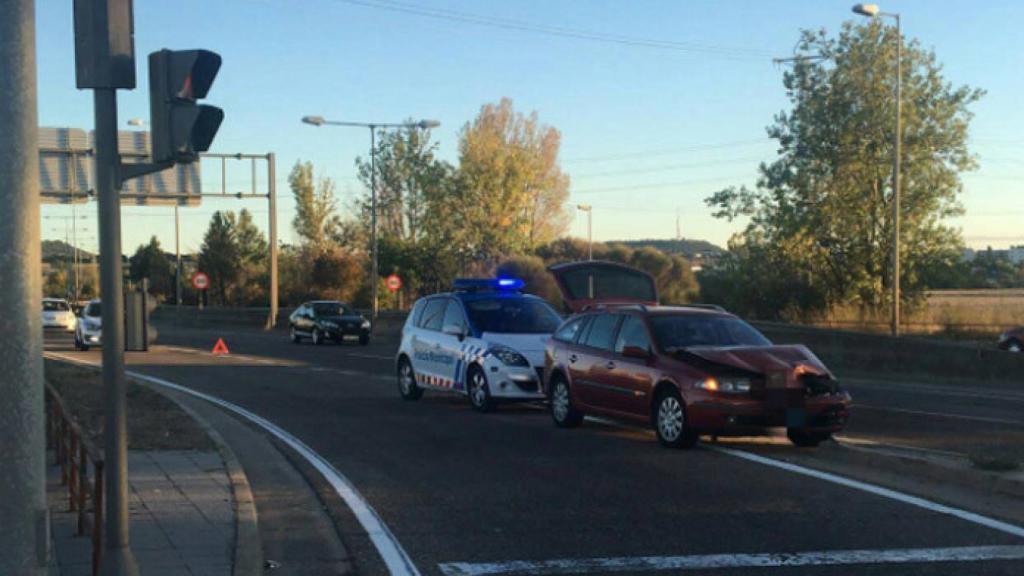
(590, 243)
(373, 126)
(872, 11)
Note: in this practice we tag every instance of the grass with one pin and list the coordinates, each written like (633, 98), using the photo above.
(972, 315)
(154, 422)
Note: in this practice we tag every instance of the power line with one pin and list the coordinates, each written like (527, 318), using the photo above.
(732, 53)
(668, 151)
(658, 185)
(668, 168)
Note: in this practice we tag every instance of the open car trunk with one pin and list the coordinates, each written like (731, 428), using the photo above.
(591, 282)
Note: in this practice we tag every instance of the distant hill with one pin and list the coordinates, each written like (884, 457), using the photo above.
(60, 250)
(686, 247)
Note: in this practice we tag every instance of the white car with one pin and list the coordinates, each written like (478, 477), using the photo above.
(485, 339)
(57, 314)
(89, 331)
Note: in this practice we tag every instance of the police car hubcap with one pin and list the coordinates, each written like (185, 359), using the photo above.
(405, 378)
(477, 392)
(670, 418)
(560, 402)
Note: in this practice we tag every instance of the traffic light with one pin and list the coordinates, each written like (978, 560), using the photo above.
(180, 128)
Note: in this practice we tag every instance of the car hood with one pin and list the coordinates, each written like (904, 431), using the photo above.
(93, 320)
(349, 318)
(762, 359)
(529, 345)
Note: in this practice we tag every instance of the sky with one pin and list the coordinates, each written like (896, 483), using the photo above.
(659, 103)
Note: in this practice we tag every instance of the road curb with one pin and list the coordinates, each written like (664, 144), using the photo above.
(248, 556)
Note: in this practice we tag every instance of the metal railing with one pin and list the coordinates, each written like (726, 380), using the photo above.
(73, 452)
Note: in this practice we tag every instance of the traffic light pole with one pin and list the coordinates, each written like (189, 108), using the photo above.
(117, 555)
(24, 536)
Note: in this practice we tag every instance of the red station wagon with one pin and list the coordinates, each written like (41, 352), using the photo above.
(685, 370)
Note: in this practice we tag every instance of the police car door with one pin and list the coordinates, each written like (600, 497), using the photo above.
(426, 344)
(454, 328)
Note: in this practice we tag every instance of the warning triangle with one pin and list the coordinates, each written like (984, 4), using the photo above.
(220, 347)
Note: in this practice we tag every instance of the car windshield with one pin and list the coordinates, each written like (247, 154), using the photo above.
(331, 309)
(55, 306)
(512, 316)
(93, 310)
(690, 330)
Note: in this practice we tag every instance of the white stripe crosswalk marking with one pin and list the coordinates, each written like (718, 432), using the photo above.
(721, 561)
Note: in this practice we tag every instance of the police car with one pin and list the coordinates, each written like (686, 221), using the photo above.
(484, 339)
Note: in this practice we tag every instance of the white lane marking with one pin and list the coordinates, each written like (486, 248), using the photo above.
(712, 561)
(387, 545)
(876, 490)
(941, 415)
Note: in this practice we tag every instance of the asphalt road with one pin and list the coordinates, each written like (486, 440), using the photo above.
(466, 493)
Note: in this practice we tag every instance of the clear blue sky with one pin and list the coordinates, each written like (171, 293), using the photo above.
(646, 131)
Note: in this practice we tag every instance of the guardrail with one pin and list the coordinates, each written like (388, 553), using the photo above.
(73, 452)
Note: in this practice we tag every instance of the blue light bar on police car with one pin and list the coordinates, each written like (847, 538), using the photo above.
(487, 284)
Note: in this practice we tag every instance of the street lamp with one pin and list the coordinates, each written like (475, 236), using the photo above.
(373, 126)
(590, 244)
(872, 11)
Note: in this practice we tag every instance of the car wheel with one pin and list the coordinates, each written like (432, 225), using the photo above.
(317, 337)
(407, 386)
(479, 391)
(805, 439)
(364, 339)
(563, 412)
(670, 422)
(1014, 346)
(294, 335)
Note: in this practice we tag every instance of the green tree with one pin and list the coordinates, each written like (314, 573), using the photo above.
(56, 285)
(315, 219)
(149, 261)
(219, 255)
(825, 204)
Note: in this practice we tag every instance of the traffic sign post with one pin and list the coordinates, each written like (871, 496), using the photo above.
(200, 282)
(394, 283)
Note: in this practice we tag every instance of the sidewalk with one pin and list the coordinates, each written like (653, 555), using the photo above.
(180, 509)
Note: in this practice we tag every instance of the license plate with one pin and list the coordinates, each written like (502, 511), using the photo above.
(796, 417)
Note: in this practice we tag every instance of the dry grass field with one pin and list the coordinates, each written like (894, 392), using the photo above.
(970, 314)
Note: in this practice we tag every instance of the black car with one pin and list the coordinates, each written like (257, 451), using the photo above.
(328, 320)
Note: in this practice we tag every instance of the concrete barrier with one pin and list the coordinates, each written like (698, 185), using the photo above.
(858, 353)
(845, 352)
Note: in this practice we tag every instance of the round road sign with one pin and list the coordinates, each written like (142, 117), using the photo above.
(200, 281)
(394, 282)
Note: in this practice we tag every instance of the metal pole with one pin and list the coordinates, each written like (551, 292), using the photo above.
(272, 198)
(590, 235)
(373, 218)
(117, 556)
(74, 239)
(896, 186)
(24, 539)
(177, 260)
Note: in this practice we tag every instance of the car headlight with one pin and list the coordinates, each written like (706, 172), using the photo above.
(508, 356)
(727, 385)
(366, 324)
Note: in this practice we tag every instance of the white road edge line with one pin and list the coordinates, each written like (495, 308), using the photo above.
(712, 561)
(876, 490)
(394, 556)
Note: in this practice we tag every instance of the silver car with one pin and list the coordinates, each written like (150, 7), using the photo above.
(89, 330)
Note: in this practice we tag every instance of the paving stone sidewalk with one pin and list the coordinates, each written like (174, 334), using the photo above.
(181, 512)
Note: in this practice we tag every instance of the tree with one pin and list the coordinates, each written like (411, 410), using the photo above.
(510, 194)
(252, 245)
(56, 285)
(409, 178)
(150, 262)
(315, 221)
(824, 207)
(219, 255)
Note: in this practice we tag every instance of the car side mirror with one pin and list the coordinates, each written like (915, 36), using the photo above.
(636, 352)
(454, 330)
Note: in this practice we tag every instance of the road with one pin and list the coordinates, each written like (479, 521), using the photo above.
(465, 493)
